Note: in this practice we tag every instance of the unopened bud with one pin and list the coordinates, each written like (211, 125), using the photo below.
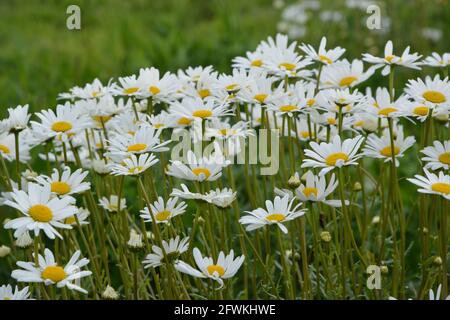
(384, 269)
(110, 293)
(425, 230)
(294, 181)
(4, 251)
(376, 220)
(357, 186)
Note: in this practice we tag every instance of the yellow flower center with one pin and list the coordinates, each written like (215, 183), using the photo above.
(203, 93)
(304, 134)
(276, 217)
(154, 90)
(95, 94)
(70, 220)
(287, 65)
(130, 90)
(158, 125)
(421, 111)
(163, 215)
(441, 187)
(310, 102)
(389, 58)
(54, 273)
(310, 190)
(256, 63)
(334, 157)
(288, 108)
(199, 171)
(4, 149)
(331, 121)
(387, 151)
(232, 87)
(184, 121)
(61, 126)
(40, 213)
(347, 81)
(216, 268)
(225, 132)
(202, 113)
(101, 119)
(325, 59)
(434, 96)
(260, 97)
(445, 157)
(135, 170)
(60, 187)
(359, 123)
(387, 111)
(137, 147)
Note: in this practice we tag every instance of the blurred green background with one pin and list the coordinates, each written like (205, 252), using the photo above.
(40, 57)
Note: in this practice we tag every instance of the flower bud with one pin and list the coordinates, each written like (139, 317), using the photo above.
(4, 251)
(376, 220)
(294, 181)
(357, 186)
(110, 293)
(384, 269)
(437, 261)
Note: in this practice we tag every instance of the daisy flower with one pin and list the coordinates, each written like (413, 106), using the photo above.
(18, 118)
(221, 197)
(81, 215)
(252, 60)
(8, 147)
(344, 74)
(324, 56)
(185, 193)
(111, 204)
(260, 90)
(279, 211)
(197, 169)
(332, 155)
(435, 91)
(40, 210)
(406, 59)
(225, 267)
(130, 86)
(380, 147)
(50, 272)
(437, 156)
(436, 60)
(162, 121)
(383, 107)
(198, 109)
(196, 73)
(433, 183)
(159, 89)
(90, 91)
(67, 183)
(133, 165)
(7, 293)
(172, 249)
(65, 122)
(146, 139)
(340, 98)
(163, 212)
(317, 189)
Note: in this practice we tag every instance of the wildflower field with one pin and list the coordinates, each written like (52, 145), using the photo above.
(201, 150)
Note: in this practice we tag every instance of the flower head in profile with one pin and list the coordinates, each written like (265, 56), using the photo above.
(278, 211)
(197, 168)
(332, 155)
(172, 250)
(322, 55)
(163, 212)
(437, 156)
(134, 165)
(7, 293)
(380, 147)
(50, 272)
(111, 204)
(225, 267)
(433, 183)
(390, 59)
(18, 118)
(41, 211)
(437, 60)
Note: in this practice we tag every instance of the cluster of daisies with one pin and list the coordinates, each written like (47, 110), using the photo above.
(113, 191)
